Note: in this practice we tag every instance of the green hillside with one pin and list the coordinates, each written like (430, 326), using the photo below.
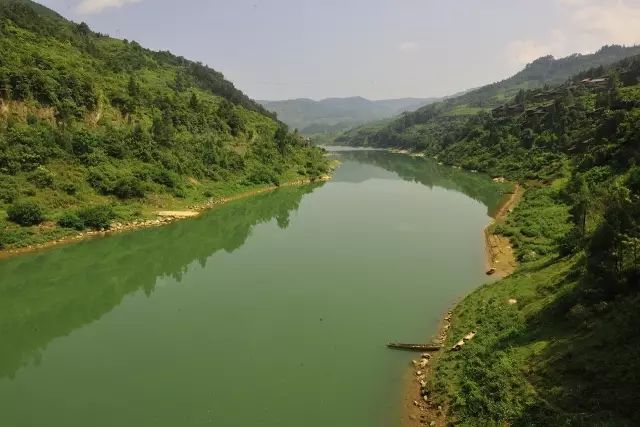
(95, 129)
(435, 126)
(566, 352)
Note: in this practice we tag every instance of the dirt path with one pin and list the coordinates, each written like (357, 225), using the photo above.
(499, 253)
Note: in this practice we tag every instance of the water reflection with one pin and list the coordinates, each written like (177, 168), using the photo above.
(50, 294)
(384, 165)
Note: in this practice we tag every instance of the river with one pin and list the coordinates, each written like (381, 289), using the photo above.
(268, 311)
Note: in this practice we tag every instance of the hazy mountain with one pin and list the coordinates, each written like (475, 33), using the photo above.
(334, 114)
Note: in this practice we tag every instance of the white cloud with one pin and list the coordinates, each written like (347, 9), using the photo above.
(87, 7)
(524, 51)
(588, 25)
(408, 46)
(615, 21)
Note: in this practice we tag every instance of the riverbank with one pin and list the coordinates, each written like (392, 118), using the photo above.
(418, 408)
(500, 258)
(162, 218)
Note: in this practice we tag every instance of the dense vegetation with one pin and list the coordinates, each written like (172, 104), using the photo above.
(438, 125)
(567, 351)
(94, 129)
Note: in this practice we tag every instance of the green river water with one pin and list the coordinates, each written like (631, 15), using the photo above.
(268, 311)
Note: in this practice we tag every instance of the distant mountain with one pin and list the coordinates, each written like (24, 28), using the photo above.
(433, 126)
(336, 114)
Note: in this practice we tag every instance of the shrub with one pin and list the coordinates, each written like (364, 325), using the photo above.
(101, 179)
(166, 178)
(128, 187)
(41, 177)
(71, 220)
(108, 180)
(25, 213)
(97, 217)
(70, 188)
(8, 190)
(263, 175)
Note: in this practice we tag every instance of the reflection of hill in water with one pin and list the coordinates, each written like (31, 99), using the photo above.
(423, 171)
(360, 171)
(50, 294)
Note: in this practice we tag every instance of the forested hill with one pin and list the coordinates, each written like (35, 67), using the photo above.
(430, 127)
(337, 114)
(95, 129)
(557, 340)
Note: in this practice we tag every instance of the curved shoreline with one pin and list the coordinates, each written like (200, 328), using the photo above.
(416, 412)
(163, 218)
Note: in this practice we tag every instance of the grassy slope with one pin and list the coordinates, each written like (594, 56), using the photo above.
(546, 360)
(43, 52)
(568, 352)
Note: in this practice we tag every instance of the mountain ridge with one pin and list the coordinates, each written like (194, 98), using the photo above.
(338, 113)
(427, 128)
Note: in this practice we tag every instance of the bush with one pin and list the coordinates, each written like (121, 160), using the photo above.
(25, 213)
(71, 220)
(70, 188)
(41, 177)
(128, 187)
(97, 217)
(108, 180)
(8, 190)
(101, 179)
(263, 175)
(167, 178)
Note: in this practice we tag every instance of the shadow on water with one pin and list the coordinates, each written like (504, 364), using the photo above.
(50, 294)
(421, 170)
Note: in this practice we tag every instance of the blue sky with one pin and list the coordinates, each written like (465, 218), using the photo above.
(280, 49)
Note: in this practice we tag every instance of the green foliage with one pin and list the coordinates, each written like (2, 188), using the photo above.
(97, 217)
(71, 220)
(41, 177)
(537, 224)
(90, 120)
(8, 189)
(561, 355)
(25, 213)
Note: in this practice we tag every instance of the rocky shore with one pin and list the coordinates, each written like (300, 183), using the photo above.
(419, 409)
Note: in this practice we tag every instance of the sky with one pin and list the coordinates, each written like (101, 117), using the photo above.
(378, 49)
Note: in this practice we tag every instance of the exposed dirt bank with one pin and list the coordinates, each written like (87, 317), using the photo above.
(499, 253)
